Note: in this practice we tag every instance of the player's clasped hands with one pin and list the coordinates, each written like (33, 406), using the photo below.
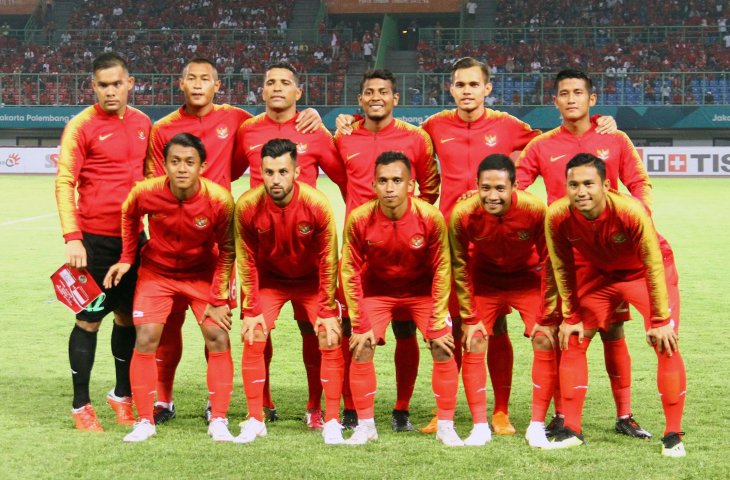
(249, 328)
(115, 274)
(664, 337)
(221, 315)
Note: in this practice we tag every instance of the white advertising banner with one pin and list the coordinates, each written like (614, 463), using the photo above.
(686, 161)
(28, 160)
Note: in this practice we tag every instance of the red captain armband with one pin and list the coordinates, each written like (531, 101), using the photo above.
(76, 288)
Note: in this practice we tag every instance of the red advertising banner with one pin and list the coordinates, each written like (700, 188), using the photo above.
(392, 6)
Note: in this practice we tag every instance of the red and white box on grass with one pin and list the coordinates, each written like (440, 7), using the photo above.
(75, 288)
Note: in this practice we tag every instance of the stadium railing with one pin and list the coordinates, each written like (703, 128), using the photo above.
(431, 89)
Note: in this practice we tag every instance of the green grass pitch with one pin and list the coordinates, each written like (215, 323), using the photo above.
(38, 439)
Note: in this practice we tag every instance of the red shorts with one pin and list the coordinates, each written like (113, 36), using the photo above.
(583, 273)
(524, 296)
(156, 294)
(382, 310)
(305, 302)
(603, 295)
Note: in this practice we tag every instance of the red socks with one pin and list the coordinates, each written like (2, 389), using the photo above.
(406, 358)
(268, 354)
(500, 358)
(445, 384)
(332, 371)
(254, 377)
(312, 360)
(143, 377)
(672, 384)
(363, 385)
(618, 366)
(474, 373)
(574, 381)
(168, 354)
(220, 382)
(544, 380)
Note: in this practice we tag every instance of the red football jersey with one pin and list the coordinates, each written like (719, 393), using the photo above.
(396, 258)
(548, 154)
(217, 130)
(315, 150)
(188, 238)
(360, 149)
(486, 246)
(461, 146)
(102, 155)
(286, 246)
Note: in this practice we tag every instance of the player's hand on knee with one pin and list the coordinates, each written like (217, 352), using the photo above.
(566, 330)
(115, 274)
(75, 254)
(664, 337)
(248, 330)
(308, 121)
(469, 331)
(548, 331)
(606, 124)
(221, 315)
(466, 195)
(361, 341)
(444, 343)
(332, 328)
(343, 123)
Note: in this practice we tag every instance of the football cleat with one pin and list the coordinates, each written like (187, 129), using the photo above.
(332, 433)
(629, 426)
(270, 414)
(251, 430)
(556, 423)
(85, 419)
(401, 421)
(432, 425)
(363, 434)
(313, 419)
(218, 430)
(122, 407)
(208, 412)
(672, 445)
(502, 425)
(141, 432)
(163, 414)
(349, 419)
(535, 436)
(566, 438)
(480, 435)
(446, 434)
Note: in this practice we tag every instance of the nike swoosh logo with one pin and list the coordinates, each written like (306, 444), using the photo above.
(555, 158)
(444, 140)
(353, 155)
(370, 242)
(254, 147)
(104, 137)
(571, 240)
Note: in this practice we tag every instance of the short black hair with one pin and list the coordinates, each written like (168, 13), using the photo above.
(571, 73)
(386, 158)
(469, 62)
(382, 74)
(277, 147)
(285, 66)
(498, 161)
(587, 159)
(201, 60)
(108, 60)
(186, 140)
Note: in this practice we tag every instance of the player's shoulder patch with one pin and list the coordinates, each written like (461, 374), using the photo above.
(559, 207)
(249, 197)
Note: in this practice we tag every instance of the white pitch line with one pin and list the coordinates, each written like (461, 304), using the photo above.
(26, 219)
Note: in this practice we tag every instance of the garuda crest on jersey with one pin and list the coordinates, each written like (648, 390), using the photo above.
(417, 241)
(305, 228)
(201, 222)
(523, 235)
(222, 132)
(301, 148)
(490, 140)
(618, 238)
(603, 153)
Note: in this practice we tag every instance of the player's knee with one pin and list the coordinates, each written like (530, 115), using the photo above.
(439, 354)
(500, 326)
(91, 327)
(615, 331)
(305, 327)
(478, 344)
(147, 338)
(541, 342)
(216, 339)
(403, 329)
(365, 355)
(324, 345)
